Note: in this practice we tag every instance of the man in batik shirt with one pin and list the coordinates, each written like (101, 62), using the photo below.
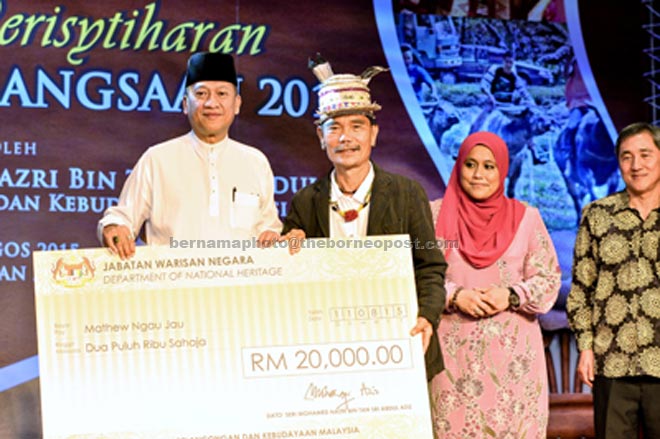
(614, 303)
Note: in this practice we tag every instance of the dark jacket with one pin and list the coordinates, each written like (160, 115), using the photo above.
(398, 205)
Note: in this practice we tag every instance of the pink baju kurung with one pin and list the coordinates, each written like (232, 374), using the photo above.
(495, 383)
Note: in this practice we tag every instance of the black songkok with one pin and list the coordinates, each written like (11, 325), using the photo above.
(207, 66)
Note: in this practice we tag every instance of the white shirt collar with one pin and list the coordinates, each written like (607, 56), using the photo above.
(206, 147)
(360, 195)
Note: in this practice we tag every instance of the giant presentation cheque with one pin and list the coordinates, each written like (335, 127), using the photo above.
(221, 343)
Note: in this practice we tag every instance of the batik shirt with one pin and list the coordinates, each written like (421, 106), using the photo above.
(614, 303)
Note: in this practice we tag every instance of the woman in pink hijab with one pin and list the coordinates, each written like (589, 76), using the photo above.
(503, 272)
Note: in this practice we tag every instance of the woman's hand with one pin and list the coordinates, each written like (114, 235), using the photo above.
(471, 302)
(497, 300)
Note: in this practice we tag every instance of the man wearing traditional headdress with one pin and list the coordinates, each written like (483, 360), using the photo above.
(358, 198)
(202, 185)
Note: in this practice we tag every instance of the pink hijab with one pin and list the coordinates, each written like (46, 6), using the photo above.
(484, 229)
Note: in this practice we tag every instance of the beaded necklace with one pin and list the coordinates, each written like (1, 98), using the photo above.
(351, 214)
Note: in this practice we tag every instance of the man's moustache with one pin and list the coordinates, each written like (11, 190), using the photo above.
(340, 149)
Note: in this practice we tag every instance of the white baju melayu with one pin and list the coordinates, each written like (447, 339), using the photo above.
(187, 189)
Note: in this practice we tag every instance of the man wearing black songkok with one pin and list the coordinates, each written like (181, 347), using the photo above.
(201, 185)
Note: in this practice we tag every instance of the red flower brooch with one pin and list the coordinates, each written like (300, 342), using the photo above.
(350, 215)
